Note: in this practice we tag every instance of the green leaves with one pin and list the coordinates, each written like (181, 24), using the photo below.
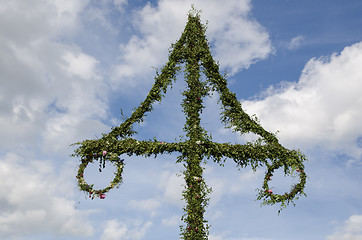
(192, 50)
(293, 164)
(84, 186)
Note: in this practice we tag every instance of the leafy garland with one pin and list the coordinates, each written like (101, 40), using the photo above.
(192, 50)
(101, 193)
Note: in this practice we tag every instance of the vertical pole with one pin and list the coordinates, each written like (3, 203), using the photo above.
(195, 193)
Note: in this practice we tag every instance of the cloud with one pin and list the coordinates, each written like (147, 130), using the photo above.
(172, 221)
(48, 88)
(116, 230)
(295, 42)
(28, 23)
(216, 237)
(245, 183)
(223, 237)
(228, 182)
(100, 13)
(120, 3)
(35, 200)
(51, 95)
(173, 186)
(351, 229)
(321, 109)
(80, 65)
(230, 29)
(149, 205)
(239, 39)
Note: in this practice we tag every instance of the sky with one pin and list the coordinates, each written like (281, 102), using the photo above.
(68, 68)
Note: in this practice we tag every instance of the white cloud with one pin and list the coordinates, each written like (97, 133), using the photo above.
(35, 200)
(149, 205)
(218, 190)
(67, 14)
(100, 13)
(295, 42)
(173, 186)
(81, 65)
(229, 27)
(49, 88)
(39, 18)
(239, 40)
(223, 237)
(236, 183)
(215, 237)
(322, 109)
(351, 229)
(172, 221)
(50, 96)
(245, 183)
(120, 2)
(116, 230)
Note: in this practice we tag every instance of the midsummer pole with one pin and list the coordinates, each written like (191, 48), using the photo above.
(192, 50)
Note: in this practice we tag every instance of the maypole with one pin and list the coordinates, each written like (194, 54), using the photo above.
(192, 51)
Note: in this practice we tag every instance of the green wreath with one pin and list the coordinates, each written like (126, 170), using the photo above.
(271, 198)
(103, 157)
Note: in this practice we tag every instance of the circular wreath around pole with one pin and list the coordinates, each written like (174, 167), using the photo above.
(102, 158)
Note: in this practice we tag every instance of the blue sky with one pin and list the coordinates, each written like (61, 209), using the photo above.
(67, 67)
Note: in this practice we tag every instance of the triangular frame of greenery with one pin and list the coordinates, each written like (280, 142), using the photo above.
(192, 51)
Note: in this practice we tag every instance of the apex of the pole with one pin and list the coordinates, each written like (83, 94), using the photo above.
(193, 12)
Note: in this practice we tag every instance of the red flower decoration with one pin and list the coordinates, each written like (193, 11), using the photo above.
(102, 196)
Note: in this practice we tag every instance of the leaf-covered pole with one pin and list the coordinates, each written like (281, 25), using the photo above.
(195, 192)
(192, 51)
